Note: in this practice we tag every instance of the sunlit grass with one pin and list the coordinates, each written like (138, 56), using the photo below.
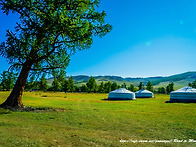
(89, 120)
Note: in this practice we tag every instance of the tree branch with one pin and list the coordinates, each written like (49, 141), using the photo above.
(46, 68)
(50, 52)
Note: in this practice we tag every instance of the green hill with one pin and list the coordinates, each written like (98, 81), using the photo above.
(180, 80)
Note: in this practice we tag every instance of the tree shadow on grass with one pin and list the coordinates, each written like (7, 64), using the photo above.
(32, 109)
(4, 111)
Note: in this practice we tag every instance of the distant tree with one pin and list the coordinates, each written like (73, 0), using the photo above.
(167, 89)
(141, 86)
(76, 89)
(131, 88)
(65, 85)
(30, 84)
(71, 85)
(7, 80)
(84, 88)
(36, 85)
(149, 86)
(170, 87)
(4, 80)
(101, 88)
(193, 84)
(47, 33)
(91, 84)
(43, 86)
(161, 90)
(107, 87)
(55, 85)
(114, 86)
(124, 85)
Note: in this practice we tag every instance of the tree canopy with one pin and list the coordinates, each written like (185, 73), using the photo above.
(170, 87)
(91, 84)
(141, 85)
(49, 32)
(149, 86)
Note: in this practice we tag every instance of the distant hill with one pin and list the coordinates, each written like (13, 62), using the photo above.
(180, 80)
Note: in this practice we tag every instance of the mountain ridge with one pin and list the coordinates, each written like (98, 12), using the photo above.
(180, 80)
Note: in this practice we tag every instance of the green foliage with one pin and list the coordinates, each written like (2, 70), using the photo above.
(7, 80)
(114, 86)
(132, 88)
(193, 84)
(92, 85)
(101, 88)
(76, 89)
(43, 84)
(84, 88)
(30, 84)
(55, 85)
(170, 87)
(124, 85)
(149, 86)
(161, 90)
(50, 31)
(141, 86)
(65, 85)
(107, 86)
(71, 85)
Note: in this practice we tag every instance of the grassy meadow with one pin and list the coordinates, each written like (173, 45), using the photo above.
(73, 119)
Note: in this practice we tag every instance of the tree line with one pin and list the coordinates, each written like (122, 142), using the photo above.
(8, 79)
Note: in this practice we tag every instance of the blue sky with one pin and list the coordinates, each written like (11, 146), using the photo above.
(149, 38)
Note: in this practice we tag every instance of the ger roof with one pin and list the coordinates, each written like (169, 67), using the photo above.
(185, 90)
(143, 91)
(121, 90)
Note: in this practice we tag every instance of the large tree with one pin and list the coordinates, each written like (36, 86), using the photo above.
(48, 32)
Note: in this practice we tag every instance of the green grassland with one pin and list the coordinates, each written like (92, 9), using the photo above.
(66, 119)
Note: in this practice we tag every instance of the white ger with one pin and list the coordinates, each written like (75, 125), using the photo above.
(121, 94)
(143, 93)
(185, 94)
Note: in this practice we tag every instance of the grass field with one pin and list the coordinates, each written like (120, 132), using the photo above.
(89, 120)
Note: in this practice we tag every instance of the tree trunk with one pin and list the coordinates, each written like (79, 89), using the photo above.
(15, 98)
